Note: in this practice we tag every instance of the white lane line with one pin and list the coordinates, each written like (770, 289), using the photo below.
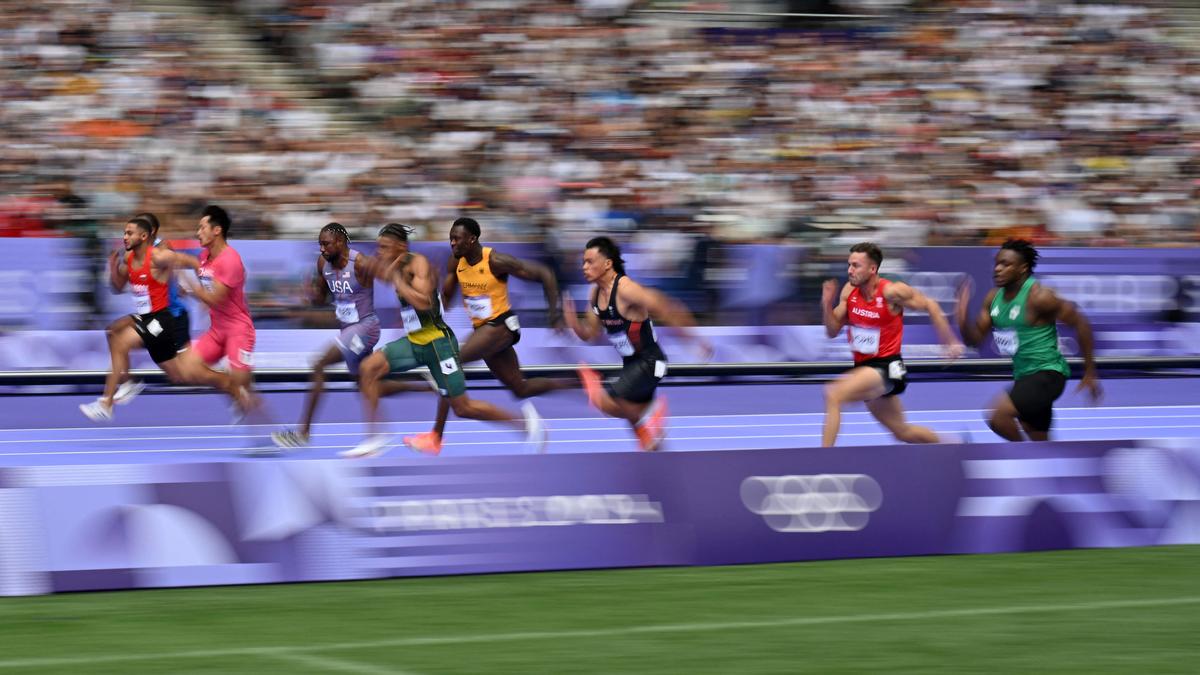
(647, 629)
(1101, 413)
(452, 431)
(555, 440)
(325, 664)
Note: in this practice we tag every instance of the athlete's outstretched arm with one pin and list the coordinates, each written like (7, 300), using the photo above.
(906, 296)
(586, 330)
(502, 263)
(973, 333)
(833, 316)
(1047, 303)
(165, 256)
(664, 309)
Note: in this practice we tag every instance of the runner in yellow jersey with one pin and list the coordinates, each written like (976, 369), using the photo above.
(482, 273)
(428, 342)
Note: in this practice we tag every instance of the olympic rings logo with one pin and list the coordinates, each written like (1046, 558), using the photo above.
(840, 502)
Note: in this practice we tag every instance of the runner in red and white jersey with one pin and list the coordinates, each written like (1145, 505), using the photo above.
(874, 309)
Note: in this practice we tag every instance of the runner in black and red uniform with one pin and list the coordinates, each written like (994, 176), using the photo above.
(874, 309)
(147, 271)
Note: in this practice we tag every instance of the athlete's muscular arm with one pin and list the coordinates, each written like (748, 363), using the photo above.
(450, 283)
(318, 292)
(1049, 306)
(176, 259)
(973, 333)
(363, 266)
(211, 298)
(899, 293)
(664, 309)
(118, 272)
(417, 290)
(587, 330)
(833, 316)
(502, 263)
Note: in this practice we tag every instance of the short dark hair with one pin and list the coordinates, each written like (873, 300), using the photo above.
(1023, 248)
(873, 252)
(337, 230)
(468, 224)
(217, 216)
(609, 249)
(151, 218)
(143, 224)
(396, 230)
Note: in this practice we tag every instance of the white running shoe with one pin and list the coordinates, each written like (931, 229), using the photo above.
(373, 446)
(96, 411)
(535, 428)
(128, 391)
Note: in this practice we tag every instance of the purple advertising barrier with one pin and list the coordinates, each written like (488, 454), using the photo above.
(66, 528)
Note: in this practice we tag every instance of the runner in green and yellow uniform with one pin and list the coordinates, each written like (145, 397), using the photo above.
(1022, 316)
(429, 342)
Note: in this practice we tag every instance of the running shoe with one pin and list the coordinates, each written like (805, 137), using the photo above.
(654, 425)
(591, 384)
(96, 411)
(535, 428)
(128, 391)
(428, 443)
(373, 446)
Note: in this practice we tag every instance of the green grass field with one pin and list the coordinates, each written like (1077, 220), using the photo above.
(1098, 611)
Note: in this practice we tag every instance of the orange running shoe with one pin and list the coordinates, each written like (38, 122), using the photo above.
(428, 443)
(655, 425)
(591, 384)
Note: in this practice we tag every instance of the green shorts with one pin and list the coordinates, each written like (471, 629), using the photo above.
(440, 356)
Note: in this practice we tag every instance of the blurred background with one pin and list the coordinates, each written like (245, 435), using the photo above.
(736, 149)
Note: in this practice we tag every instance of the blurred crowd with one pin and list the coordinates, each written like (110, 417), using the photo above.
(954, 122)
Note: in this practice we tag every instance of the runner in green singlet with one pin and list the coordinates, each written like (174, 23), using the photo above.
(1022, 316)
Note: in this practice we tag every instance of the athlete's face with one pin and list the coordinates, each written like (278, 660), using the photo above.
(461, 241)
(390, 248)
(595, 265)
(331, 246)
(1009, 267)
(207, 232)
(860, 268)
(134, 235)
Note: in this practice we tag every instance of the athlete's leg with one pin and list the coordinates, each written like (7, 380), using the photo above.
(119, 346)
(505, 365)
(1003, 419)
(483, 342)
(114, 329)
(331, 356)
(857, 384)
(371, 373)
(890, 413)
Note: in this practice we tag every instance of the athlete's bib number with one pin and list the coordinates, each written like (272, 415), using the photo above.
(1006, 341)
(206, 282)
(141, 299)
(479, 306)
(864, 340)
(412, 322)
(622, 343)
(347, 312)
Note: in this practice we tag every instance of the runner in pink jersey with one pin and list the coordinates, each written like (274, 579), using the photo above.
(222, 280)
